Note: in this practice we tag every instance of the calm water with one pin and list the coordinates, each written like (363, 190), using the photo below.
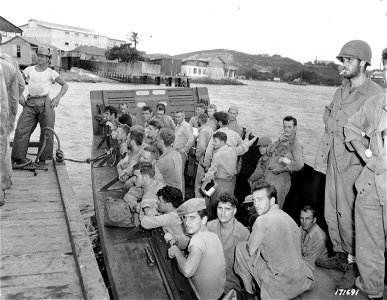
(262, 106)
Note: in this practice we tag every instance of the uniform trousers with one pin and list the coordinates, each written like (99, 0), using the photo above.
(28, 120)
(5, 162)
(339, 208)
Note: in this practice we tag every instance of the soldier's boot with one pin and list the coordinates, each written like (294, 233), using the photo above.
(349, 278)
(339, 261)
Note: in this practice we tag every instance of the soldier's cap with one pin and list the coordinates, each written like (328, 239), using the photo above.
(43, 51)
(264, 141)
(234, 108)
(191, 205)
(248, 199)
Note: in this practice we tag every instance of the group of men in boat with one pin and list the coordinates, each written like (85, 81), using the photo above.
(275, 259)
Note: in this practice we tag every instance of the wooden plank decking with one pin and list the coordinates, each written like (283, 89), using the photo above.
(45, 251)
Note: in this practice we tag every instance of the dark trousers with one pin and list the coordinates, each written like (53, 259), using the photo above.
(28, 120)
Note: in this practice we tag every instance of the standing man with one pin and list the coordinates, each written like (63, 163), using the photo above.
(152, 131)
(9, 95)
(184, 140)
(38, 107)
(194, 121)
(272, 255)
(146, 112)
(205, 263)
(163, 118)
(366, 130)
(205, 134)
(313, 238)
(230, 233)
(285, 156)
(344, 166)
(233, 122)
(211, 109)
(169, 163)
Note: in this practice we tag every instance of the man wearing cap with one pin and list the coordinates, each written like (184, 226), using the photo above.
(343, 166)
(230, 233)
(366, 133)
(259, 172)
(205, 263)
(38, 107)
(272, 254)
(233, 122)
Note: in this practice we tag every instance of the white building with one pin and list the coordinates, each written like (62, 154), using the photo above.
(211, 67)
(67, 37)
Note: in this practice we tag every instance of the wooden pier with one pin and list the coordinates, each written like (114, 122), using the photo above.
(45, 251)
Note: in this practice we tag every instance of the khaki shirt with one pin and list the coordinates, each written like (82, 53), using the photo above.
(184, 138)
(234, 125)
(370, 121)
(342, 107)
(170, 166)
(171, 223)
(212, 123)
(205, 134)
(313, 244)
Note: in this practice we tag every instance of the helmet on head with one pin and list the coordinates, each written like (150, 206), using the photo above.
(356, 49)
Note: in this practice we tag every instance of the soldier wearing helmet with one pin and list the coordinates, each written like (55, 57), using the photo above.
(366, 132)
(343, 165)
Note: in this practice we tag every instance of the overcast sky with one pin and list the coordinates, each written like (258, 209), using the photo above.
(299, 29)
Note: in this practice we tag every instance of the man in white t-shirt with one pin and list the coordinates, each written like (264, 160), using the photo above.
(38, 107)
(205, 263)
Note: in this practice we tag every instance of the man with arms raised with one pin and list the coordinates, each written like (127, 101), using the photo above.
(205, 263)
(272, 255)
(230, 233)
(343, 166)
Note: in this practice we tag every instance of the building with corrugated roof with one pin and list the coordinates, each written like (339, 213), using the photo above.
(8, 30)
(23, 49)
(211, 67)
(67, 37)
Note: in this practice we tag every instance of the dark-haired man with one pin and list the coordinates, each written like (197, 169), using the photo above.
(205, 263)
(285, 156)
(343, 166)
(230, 233)
(169, 199)
(152, 130)
(313, 238)
(200, 109)
(223, 168)
(163, 118)
(169, 163)
(146, 116)
(272, 255)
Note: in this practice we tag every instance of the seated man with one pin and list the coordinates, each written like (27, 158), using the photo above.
(200, 109)
(125, 119)
(152, 131)
(313, 238)
(223, 168)
(169, 199)
(205, 263)
(110, 117)
(285, 157)
(124, 112)
(230, 233)
(138, 201)
(121, 135)
(272, 255)
(163, 118)
(169, 163)
(136, 145)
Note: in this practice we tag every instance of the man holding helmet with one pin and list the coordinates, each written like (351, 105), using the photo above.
(342, 165)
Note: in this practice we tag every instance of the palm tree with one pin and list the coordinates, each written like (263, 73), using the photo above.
(135, 38)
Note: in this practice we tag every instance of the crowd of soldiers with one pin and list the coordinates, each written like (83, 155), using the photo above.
(247, 247)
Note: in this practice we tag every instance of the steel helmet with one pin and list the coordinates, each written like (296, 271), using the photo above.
(356, 49)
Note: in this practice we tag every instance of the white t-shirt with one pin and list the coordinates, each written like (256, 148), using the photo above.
(40, 82)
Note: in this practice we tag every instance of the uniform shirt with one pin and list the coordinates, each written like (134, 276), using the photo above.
(171, 222)
(212, 123)
(238, 234)
(224, 162)
(170, 166)
(234, 125)
(261, 168)
(313, 244)
(184, 138)
(290, 149)
(342, 107)
(19, 76)
(167, 121)
(9, 98)
(205, 134)
(210, 276)
(277, 239)
(370, 121)
(149, 198)
(40, 82)
(233, 140)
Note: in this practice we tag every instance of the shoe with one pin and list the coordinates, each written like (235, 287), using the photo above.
(2, 197)
(339, 261)
(349, 278)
